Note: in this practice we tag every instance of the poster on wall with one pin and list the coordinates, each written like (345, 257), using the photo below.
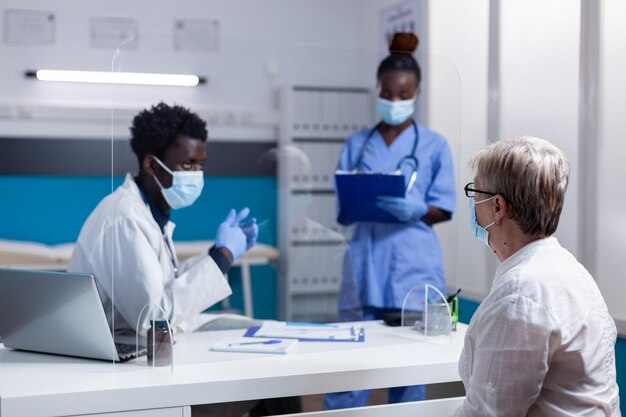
(112, 32)
(29, 27)
(196, 35)
(399, 17)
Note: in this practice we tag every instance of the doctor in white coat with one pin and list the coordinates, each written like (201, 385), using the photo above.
(127, 240)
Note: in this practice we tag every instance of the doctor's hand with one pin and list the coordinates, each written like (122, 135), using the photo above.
(230, 236)
(403, 208)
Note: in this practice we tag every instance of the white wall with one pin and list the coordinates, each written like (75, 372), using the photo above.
(611, 204)
(538, 66)
(458, 39)
(539, 50)
(297, 39)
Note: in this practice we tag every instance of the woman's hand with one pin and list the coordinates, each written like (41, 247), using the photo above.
(403, 208)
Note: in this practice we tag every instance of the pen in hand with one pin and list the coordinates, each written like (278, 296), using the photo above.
(411, 181)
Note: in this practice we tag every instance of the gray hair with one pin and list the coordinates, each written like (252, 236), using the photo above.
(532, 175)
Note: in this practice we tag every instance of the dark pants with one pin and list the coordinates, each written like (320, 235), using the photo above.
(255, 408)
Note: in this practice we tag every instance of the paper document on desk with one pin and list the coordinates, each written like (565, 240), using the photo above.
(309, 332)
(255, 345)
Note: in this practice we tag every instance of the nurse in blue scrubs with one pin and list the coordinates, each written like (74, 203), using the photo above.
(386, 260)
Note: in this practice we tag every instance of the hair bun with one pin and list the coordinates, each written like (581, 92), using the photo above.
(404, 42)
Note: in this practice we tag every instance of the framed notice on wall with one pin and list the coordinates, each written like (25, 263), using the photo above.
(400, 17)
(29, 27)
(196, 35)
(113, 32)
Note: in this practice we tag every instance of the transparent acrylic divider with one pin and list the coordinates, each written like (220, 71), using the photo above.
(153, 322)
(298, 136)
(412, 307)
(426, 315)
(142, 53)
(329, 94)
(437, 314)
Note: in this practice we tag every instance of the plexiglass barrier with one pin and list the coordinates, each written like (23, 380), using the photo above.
(435, 320)
(278, 116)
(158, 343)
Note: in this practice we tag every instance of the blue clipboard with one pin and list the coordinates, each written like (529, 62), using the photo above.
(357, 194)
(251, 332)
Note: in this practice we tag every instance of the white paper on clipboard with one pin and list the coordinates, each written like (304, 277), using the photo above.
(308, 331)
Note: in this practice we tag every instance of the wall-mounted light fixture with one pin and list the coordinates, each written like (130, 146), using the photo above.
(102, 77)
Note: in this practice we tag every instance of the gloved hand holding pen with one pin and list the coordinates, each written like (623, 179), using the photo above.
(403, 208)
(229, 232)
(251, 229)
(230, 235)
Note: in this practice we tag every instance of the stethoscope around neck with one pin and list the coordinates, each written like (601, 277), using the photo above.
(410, 158)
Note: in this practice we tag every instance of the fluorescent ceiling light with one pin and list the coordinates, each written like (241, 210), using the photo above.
(101, 77)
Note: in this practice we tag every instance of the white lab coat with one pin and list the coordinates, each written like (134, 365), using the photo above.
(542, 342)
(122, 246)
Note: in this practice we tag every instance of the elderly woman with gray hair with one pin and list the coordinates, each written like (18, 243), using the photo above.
(542, 342)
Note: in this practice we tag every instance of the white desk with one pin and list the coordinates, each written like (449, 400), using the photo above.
(45, 385)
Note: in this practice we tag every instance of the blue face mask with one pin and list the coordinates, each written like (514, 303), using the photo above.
(186, 187)
(480, 233)
(395, 113)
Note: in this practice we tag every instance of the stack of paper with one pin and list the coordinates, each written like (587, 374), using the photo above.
(309, 332)
(257, 345)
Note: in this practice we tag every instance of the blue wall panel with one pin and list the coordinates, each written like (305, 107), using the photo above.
(219, 195)
(48, 209)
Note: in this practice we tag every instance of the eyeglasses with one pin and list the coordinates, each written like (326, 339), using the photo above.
(471, 192)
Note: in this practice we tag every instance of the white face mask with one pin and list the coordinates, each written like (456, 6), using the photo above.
(395, 113)
(186, 187)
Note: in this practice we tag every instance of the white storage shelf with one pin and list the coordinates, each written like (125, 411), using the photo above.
(316, 122)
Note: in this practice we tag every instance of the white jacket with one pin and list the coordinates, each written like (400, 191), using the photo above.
(122, 246)
(542, 342)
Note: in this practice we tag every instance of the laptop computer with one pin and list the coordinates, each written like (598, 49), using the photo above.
(59, 313)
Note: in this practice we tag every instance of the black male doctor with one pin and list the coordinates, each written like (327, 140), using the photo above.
(126, 242)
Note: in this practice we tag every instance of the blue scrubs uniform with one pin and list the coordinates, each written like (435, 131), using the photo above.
(384, 261)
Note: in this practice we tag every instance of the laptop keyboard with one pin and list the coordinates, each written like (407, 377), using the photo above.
(127, 351)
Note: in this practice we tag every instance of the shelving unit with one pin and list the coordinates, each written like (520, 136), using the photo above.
(316, 122)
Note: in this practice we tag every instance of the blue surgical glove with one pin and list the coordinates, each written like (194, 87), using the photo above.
(230, 236)
(403, 208)
(251, 230)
